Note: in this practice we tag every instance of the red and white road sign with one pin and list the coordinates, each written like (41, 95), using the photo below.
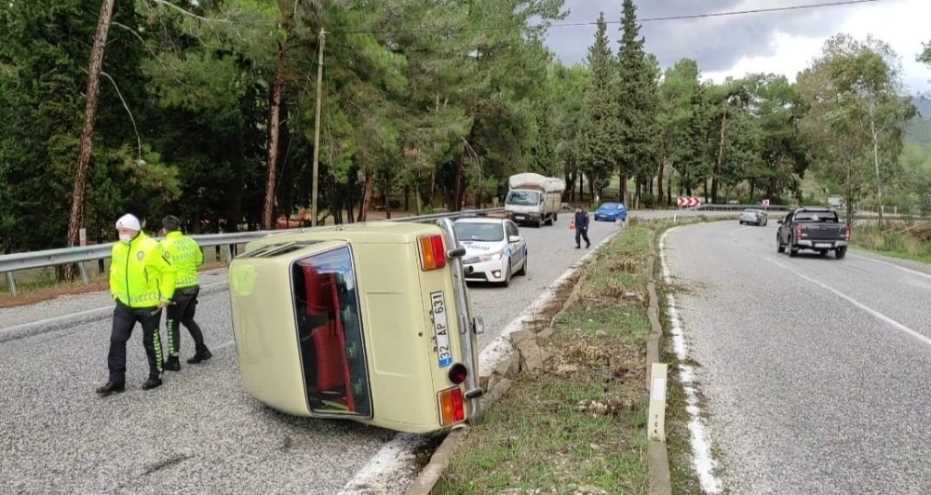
(689, 202)
(765, 203)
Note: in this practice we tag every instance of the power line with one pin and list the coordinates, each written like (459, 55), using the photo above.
(727, 13)
(683, 17)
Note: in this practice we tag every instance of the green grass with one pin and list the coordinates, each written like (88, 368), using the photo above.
(894, 242)
(538, 438)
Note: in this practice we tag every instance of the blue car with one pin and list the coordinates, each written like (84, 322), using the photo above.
(610, 212)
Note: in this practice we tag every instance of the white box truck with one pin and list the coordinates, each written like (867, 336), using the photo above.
(534, 199)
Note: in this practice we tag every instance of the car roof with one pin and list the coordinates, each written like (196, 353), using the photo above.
(819, 209)
(481, 220)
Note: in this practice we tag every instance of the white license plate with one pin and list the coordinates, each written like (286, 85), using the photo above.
(823, 245)
(441, 328)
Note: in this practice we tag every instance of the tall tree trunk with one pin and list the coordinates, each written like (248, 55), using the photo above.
(387, 202)
(274, 122)
(718, 164)
(407, 198)
(637, 190)
(622, 190)
(76, 221)
(659, 180)
(458, 191)
(581, 188)
(366, 197)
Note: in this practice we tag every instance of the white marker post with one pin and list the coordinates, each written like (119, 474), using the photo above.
(657, 414)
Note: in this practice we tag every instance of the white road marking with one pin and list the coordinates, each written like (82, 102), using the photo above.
(703, 459)
(874, 313)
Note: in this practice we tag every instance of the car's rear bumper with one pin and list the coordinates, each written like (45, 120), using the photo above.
(816, 244)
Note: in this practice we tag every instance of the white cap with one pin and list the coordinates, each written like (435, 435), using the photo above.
(128, 221)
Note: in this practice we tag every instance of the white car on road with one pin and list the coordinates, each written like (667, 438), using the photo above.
(494, 249)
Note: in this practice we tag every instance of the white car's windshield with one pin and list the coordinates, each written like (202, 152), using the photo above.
(528, 198)
(482, 232)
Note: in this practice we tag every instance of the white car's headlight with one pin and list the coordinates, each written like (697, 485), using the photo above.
(491, 256)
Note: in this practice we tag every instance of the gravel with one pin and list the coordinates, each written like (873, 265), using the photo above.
(199, 432)
(808, 391)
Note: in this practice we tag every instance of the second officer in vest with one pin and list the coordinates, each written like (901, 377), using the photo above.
(185, 256)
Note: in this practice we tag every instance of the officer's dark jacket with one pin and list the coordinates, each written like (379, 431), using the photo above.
(581, 220)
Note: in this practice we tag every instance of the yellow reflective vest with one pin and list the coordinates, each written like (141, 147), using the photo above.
(185, 256)
(140, 276)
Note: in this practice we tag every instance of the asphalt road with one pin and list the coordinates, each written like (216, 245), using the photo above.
(198, 432)
(815, 371)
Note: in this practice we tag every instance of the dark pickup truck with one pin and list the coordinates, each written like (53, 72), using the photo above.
(817, 229)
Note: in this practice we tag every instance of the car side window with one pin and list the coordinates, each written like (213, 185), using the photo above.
(789, 218)
(512, 229)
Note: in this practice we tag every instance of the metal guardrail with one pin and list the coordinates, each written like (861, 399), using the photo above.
(10, 263)
(742, 207)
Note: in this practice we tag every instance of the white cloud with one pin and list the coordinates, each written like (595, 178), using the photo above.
(900, 23)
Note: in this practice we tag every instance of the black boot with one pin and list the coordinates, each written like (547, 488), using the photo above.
(152, 382)
(111, 388)
(172, 364)
(200, 356)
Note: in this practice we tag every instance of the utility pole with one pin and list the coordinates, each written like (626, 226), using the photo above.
(313, 211)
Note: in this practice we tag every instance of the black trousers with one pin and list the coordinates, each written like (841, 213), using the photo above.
(181, 311)
(124, 319)
(581, 233)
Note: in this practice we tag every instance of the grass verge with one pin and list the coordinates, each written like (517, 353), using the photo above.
(910, 242)
(578, 426)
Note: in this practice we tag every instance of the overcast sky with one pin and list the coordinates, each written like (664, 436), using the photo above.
(784, 43)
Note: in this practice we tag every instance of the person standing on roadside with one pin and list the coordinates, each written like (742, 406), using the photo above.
(142, 283)
(186, 256)
(581, 228)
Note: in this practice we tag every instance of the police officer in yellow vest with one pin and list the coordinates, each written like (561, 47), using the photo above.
(185, 255)
(142, 282)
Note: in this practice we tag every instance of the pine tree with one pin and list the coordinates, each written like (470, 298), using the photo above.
(599, 137)
(635, 96)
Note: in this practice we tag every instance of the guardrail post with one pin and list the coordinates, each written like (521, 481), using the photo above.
(83, 273)
(11, 282)
(101, 268)
(229, 253)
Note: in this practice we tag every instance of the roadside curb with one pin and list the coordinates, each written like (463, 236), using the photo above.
(31, 329)
(501, 359)
(657, 453)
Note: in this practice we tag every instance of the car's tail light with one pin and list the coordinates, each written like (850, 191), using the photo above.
(848, 232)
(458, 373)
(452, 407)
(799, 232)
(432, 253)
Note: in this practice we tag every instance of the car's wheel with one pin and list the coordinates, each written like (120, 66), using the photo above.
(741, 222)
(822, 252)
(779, 247)
(840, 252)
(793, 251)
(507, 275)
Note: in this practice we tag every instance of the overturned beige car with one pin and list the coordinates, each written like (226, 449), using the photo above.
(368, 322)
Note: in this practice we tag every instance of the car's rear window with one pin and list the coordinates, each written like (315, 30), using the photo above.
(816, 217)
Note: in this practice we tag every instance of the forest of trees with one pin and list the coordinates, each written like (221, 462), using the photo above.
(206, 109)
